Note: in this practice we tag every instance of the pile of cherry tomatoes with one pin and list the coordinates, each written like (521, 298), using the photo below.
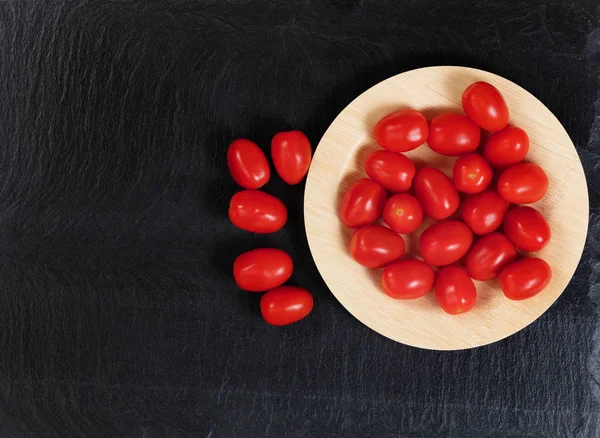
(486, 209)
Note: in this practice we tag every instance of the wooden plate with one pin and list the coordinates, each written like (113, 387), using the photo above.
(338, 162)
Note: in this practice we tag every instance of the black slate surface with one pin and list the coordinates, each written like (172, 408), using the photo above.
(118, 313)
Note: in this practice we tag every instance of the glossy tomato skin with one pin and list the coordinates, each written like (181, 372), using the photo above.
(523, 183)
(484, 212)
(436, 193)
(471, 174)
(506, 147)
(291, 153)
(453, 134)
(489, 255)
(285, 305)
(262, 269)
(392, 170)
(257, 212)
(525, 278)
(527, 229)
(362, 203)
(445, 242)
(407, 279)
(402, 213)
(454, 290)
(248, 164)
(375, 246)
(484, 104)
(402, 130)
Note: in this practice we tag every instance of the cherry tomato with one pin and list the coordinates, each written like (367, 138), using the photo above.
(375, 246)
(248, 164)
(262, 269)
(407, 279)
(436, 193)
(291, 154)
(525, 278)
(484, 104)
(484, 212)
(527, 229)
(507, 147)
(489, 255)
(285, 305)
(393, 171)
(402, 130)
(453, 134)
(256, 211)
(402, 213)
(523, 183)
(445, 242)
(454, 290)
(471, 174)
(362, 203)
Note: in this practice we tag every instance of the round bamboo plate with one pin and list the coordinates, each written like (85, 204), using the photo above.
(338, 162)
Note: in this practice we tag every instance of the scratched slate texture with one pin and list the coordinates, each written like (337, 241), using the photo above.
(118, 313)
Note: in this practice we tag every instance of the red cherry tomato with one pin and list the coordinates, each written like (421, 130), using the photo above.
(471, 174)
(484, 104)
(262, 269)
(523, 183)
(436, 193)
(362, 203)
(248, 164)
(525, 278)
(507, 147)
(393, 171)
(407, 279)
(402, 130)
(285, 305)
(375, 246)
(291, 154)
(484, 212)
(453, 134)
(454, 290)
(402, 213)
(256, 211)
(527, 229)
(489, 255)
(445, 242)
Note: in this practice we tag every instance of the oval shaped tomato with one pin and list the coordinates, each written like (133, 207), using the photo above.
(453, 134)
(362, 203)
(471, 174)
(523, 183)
(285, 305)
(248, 164)
(407, 279)
(527, 229)
(402, 213)
(484, 212)
(256, 211)
(375, 246)
(445, 242)
(489, 255)
(507, 147)
(402, 130)
(291, 154)
(525, 278)
(392, 170)
(262, 269)
(436, 193)
(454, 290)
(484, 104)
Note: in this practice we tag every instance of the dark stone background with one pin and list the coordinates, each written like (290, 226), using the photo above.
(118, 312)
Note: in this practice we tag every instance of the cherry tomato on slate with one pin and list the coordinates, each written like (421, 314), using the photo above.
(453, 134)
(489, 255)
(362, 203)
(484, 212)
(285, 305)
(527, 229)
(256, 211)
(445, 242)
(523, 183)
(407, 279)
(471, 174)
(262, 269)
(525, 278)
(392, 170)
(375, 246)
(507, 147)
(454, 290)
(484, 104)
(436, 193)
(402, 130)
(291, 154)
(402, 213)
(248, 164)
